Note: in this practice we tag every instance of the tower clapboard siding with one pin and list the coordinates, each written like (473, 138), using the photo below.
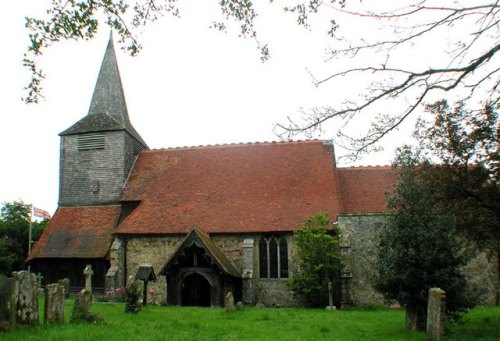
(98, 151)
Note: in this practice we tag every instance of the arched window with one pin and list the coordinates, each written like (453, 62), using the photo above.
(273, 257)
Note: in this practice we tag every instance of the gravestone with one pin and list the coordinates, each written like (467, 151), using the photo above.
(134, 293)
(8, 300)
(240, 306)
(436, 313)
(88, 277)
(229, 302)
(81, 308)
(27, 297)
(258, 296)
(39, 279)
(54, 303)
(330, 305)
(66, 284)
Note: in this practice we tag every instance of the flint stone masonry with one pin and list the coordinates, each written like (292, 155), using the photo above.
(158, 250)
(155, 251)
(274, 291)
(360, 234)
(115, 275)
(436, 313)
(481, 274)
(54, 303)
(27, 297)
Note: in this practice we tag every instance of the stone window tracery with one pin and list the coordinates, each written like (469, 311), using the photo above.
(273, 257)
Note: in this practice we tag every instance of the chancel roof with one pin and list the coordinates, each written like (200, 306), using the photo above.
(364, 189)
(260, 187)
(78, 232)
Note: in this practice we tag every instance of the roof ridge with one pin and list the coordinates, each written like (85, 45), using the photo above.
(366, 167)
(237, 144)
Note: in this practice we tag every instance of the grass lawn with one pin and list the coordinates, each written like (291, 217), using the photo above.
(183, 323)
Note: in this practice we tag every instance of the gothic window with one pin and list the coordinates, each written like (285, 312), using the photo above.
(273, 257)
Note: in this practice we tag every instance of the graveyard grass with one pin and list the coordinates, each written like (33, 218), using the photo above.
(186, 323)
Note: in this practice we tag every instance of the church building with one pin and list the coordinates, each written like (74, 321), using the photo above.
(201, 220)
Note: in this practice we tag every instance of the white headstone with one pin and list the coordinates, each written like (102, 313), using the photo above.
(88, 277)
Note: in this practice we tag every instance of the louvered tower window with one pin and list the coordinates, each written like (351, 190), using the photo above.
(91, 141)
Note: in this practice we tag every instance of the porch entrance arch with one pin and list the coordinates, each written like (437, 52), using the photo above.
(199, 274)
(195, 291)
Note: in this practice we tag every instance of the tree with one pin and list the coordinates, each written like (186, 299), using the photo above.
(463, 66)
(6, 258)
(465, 181)
(418, 248)
(14, 230)
(319, 253)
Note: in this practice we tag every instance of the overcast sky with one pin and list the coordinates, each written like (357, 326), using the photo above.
(189, 86)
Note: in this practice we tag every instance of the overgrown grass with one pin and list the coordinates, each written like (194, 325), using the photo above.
(182, 323)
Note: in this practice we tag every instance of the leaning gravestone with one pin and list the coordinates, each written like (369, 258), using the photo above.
(81, 308)
(229, 302)
(134, 293)
(8, 300)
(27, 297)
(65, 283)
(54, 303)
(436, 313)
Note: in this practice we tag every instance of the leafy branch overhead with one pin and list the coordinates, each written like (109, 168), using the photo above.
(421, 51)
(72, 19)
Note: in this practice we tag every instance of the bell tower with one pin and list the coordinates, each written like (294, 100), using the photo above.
(98, 151)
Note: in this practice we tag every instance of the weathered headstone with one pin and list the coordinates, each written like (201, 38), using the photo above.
(330, 305)
(436, 313)
(239, 306)
(54, 303)
(66, 284)
(81, 308)
(134, 295)
(229, 302)
(39, 279)
(258, 296)
(88, 277)
(27, 297)
(8, 300)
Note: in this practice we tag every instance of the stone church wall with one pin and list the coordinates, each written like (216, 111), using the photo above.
(481, 275)
(240, 249)
(155, 251)
(359, 253)
(359, 256)
(243, 251)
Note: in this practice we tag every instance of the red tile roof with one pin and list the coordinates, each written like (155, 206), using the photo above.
(363, 189)
(232, 188)
(78, 232)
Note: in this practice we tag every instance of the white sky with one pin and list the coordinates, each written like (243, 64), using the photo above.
(189, 86)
